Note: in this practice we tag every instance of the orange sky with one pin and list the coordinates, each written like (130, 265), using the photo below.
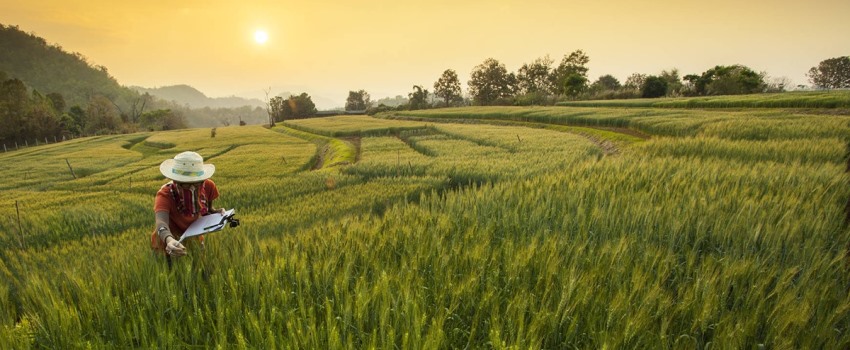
(326, 48)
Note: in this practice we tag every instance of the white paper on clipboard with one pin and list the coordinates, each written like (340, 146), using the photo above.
(206, 224)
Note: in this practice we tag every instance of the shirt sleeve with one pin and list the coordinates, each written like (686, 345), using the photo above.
(212, 190)
(163, 201)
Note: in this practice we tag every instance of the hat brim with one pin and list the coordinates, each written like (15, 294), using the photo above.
(167, 168)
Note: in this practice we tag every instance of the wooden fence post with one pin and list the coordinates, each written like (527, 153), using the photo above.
(20, 227)
(69, 167)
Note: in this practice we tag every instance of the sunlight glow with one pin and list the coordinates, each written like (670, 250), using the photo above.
(261, 37)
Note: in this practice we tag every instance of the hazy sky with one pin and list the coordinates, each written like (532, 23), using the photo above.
(326, 48)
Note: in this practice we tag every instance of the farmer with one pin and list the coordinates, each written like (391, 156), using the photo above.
(188, 196)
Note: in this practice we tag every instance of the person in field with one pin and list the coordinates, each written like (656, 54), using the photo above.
(188, 196)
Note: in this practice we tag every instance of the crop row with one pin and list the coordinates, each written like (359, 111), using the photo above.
(815, 99)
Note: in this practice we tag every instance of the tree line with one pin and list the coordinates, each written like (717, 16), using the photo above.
(27, 114)
(541, 82)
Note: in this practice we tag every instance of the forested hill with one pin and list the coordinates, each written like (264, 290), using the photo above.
(187, 95)
(49, 69)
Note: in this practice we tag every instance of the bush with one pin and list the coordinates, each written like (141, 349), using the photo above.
(653, 87)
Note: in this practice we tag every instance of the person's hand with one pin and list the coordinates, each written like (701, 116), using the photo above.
(216, 211)
(174, 248)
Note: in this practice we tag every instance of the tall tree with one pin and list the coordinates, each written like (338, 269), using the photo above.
(138, 105)
(674, 82)
(358, 101)
(78, 120)
(533, 78)
(570, 77)
(101, 116)
(490, 81)
(57, 101)
(635, 81)
(14, 105)
(448, 87)
(418, 98)
(833, 73)
(276, 107)
(269, 107)
(300, 106)
(42, 119)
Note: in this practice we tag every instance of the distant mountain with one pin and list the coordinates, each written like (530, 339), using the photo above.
(49, 69)
(187, 95)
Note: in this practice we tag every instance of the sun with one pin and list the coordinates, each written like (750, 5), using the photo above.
(260, 36)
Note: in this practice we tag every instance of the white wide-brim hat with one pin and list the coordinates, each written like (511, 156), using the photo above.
(187, 167)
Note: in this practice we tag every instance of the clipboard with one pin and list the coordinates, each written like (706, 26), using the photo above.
(208, 223)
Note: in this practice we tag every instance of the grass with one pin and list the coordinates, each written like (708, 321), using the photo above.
(723, 229)
(796, 99)
(740, 124)
(357, 125)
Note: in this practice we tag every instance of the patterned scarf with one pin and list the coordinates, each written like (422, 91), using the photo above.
(189, 201)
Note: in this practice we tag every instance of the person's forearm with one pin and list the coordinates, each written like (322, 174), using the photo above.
(162, 222)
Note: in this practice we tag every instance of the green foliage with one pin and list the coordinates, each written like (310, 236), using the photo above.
(77, 117)
(357, 101)
(574, 84)
(102, 117)
(49, 68)
(728, 80)
(832, 73)
(635, 81)
(26, 117)
(276, 108)
(674, 83)
(605, 83)
(381, 108)
(294, 107)
(418, 98)
(534, 77)
(653, 87)
(447, 87)
(162, 119)
(533, 99)
(490, 83)
(570, 77)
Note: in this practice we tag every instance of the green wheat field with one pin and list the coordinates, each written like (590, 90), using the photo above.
(479, 227)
